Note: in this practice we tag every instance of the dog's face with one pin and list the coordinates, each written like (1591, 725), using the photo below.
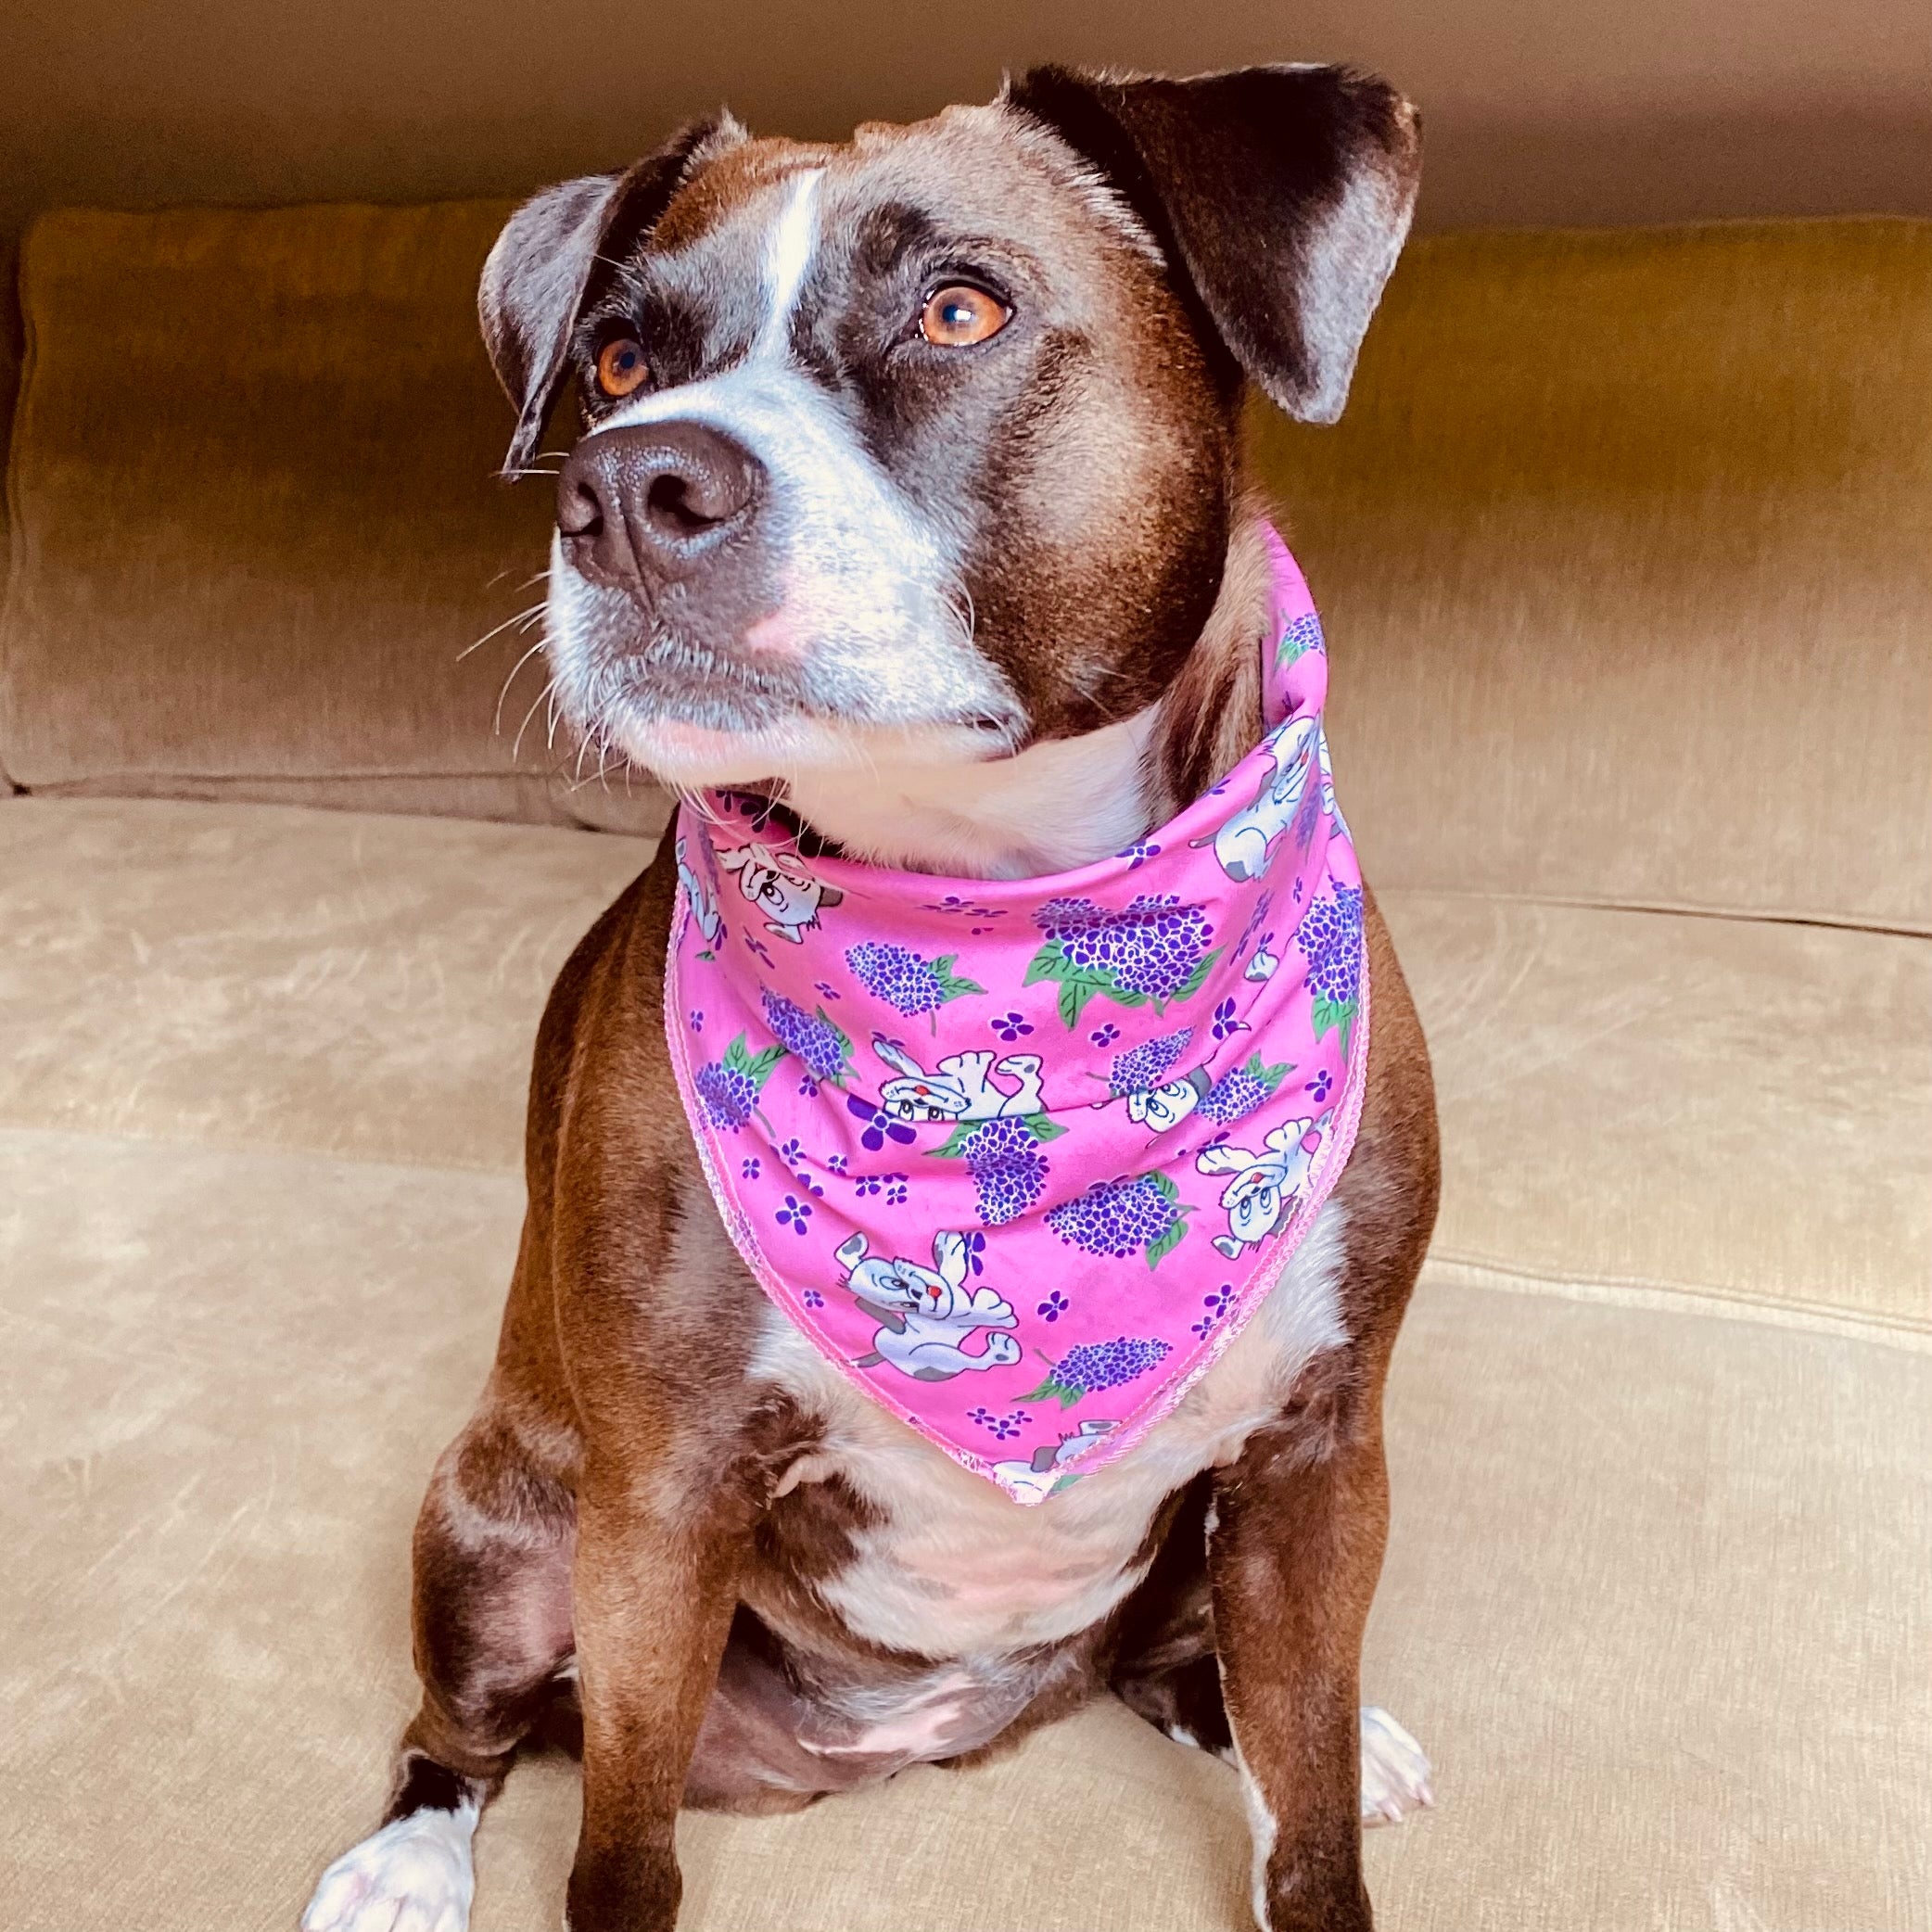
(924, 447)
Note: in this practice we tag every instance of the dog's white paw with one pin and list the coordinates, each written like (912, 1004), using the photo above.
(413, 1875)
(1395, 1775)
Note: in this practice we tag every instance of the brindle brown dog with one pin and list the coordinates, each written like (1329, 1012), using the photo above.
(911, 493)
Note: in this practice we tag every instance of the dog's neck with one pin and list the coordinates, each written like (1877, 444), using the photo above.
(1068, 801)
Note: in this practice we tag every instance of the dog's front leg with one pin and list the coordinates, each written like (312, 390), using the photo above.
(1294, 1548)
(655, 1584)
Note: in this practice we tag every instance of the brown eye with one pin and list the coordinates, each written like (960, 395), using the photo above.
(621, 366)
(958, 316)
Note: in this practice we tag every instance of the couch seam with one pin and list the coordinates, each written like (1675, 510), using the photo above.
(1910, 1334)
(273, 1150)
(1828, 921)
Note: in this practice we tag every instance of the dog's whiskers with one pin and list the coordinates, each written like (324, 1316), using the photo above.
(496, 725)
(522, 617)
(516, 743)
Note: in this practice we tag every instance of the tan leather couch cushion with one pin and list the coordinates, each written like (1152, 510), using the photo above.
(1653, 1597)
(1632, 1101)
(256, 524)
(1625, 548)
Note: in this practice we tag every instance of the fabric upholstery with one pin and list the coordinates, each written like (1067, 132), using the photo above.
(256, 524)
(1622, 544)
(1730, 1107)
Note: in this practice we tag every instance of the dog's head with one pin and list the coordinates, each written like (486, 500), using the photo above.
(924, 446)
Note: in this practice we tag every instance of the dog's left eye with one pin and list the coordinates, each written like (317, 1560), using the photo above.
(621, 367)
(959, 316)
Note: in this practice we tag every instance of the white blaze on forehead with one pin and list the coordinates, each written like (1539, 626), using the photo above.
(788, 254)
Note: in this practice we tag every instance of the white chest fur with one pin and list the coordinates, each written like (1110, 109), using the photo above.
(955, 1568)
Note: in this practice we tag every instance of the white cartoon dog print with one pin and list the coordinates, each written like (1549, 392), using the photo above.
(923, 1315)
(1334, 811)
(961, 1089)
(1266, 1187)
(1040, 1474)
(1243, 844)
(1159, 1108)
(779, 885)
(697, 897)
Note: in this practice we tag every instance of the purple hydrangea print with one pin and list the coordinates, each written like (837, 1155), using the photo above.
(810, 1037)
(1146, 1066)
(1156, 948)
(1140, 1212)
(1008, 1170)
(729, 1088)
(1303, 635)
(1096, 1366)
(1241, 1089)
(1330, 939)
(907, 983)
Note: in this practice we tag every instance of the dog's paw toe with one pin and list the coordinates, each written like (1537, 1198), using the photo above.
(413, 1875)
(1395, 1774)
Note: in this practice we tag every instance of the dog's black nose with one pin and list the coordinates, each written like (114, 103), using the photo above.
(651, 502)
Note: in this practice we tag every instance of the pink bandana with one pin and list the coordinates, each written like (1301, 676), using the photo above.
(1021, 1157)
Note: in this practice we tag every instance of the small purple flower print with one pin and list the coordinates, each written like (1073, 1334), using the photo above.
(813, 1299)
(1319, 1087)
(697, 1020)
(819, 986)
(808, 1088)
(1225, 1023)
(975, 1244)
(757, 946)
(1298, 891)
(751, 1168)
(952, 902)
(895, 1189)
(835, 1164)
(1214, 1306)
(791, 1152)
(866, 1183)
(1138, 853)
(1104, 1036)
(1010, 1026)
(879, 1125)
(1008, 1426)
(984, 1418)
(1054, 1306)
(794, 1213)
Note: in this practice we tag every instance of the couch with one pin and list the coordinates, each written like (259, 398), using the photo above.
(1625, 551)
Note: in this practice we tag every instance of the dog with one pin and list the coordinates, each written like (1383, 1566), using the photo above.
(909, 496)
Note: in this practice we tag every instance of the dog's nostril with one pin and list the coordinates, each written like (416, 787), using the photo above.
(673, 503)
(580, 511)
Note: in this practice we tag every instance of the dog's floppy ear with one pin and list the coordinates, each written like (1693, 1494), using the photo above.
(1281, 195)
(553, 247)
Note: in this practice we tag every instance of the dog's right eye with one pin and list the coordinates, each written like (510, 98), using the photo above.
(621, 367)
